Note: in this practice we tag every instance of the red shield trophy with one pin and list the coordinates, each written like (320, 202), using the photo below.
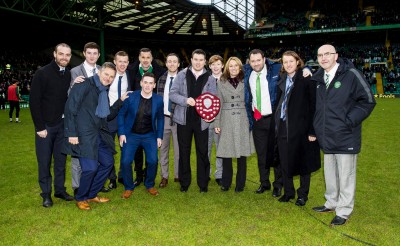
(208, 106)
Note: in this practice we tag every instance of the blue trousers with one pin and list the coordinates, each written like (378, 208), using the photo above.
(149, 143)
(94, 172)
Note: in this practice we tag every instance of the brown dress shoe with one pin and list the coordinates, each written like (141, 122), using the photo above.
(163, 183)
(83, 205)
(127, 194)
(99, 199)
(153, 191)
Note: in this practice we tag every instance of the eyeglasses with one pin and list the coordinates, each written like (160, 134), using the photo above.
(325, 54)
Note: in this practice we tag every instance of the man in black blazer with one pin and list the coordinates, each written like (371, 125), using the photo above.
(145, 63)
(49, 92)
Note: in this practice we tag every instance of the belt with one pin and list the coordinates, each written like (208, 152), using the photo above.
(169, 116)
(266, 116)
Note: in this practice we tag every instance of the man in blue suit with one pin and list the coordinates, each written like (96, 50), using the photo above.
(141, 124)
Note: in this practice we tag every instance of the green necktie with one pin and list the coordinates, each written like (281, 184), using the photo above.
(258, 92)
(327, 81)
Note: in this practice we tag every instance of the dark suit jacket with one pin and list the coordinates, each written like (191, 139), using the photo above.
(127, 114)
(49, 92)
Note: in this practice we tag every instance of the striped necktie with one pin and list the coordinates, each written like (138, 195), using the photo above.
(288, 88)
(327, 80)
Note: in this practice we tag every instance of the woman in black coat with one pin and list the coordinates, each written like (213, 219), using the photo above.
(298, 147)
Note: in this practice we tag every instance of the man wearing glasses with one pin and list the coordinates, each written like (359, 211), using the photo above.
(344, 100)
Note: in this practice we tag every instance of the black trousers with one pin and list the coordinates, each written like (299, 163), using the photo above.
(113, 174)
(227, 172)
(14, 105)
(283, 144)
(264, 142)
(185, 134)
(46, 149)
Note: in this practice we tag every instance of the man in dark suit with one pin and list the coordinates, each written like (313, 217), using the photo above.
(49, 92)
(87, 136)
(141, 123)
(145, 63)
(88, 68)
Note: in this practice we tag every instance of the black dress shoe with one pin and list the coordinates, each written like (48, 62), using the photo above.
(338, 221)
(262, 189)
(65, 196)
(204, 190)
(138, 181)
(120, 180)
(285, 198)
(105, 190)
(47, 202)
(277, 192)
(112, 185)
(218, 181)
(323, 209)
(184, 189)
(224, 188)
(237, 190)
(301, 201)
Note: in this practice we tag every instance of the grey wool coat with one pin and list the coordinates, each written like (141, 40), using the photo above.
(236, 140)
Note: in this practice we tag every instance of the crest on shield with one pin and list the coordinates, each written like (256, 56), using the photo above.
(207, 106)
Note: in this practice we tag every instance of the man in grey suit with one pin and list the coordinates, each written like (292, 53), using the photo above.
(91, 52)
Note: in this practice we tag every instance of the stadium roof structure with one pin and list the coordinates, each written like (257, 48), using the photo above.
(157, 17)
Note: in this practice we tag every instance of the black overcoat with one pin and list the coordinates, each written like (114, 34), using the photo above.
(303, 156)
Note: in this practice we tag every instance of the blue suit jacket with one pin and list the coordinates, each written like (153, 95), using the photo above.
(127, 114)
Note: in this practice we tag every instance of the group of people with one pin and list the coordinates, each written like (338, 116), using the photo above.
(277, 109)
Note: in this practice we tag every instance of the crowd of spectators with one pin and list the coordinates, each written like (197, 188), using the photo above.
(291, 17)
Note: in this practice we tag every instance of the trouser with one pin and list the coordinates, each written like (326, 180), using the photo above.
(340, 182)
(46, 149)
(169, 131)
(14, 105)
(148, 142)
(264, 141)
(76, 172)
(113, 172)
(185, 133)
(227, 172)
(212, 136)
(94, 172)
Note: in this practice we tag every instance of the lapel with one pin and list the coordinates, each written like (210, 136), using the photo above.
(83, 71)
(153, 107)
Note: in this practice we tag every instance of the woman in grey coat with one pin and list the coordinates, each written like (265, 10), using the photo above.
(236, 140)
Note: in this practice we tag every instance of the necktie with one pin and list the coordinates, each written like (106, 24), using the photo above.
(62, 71)
(327, 80)
(258, 92)
(169, 89)
(94, 71)
(119, 86)
(288, 88)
